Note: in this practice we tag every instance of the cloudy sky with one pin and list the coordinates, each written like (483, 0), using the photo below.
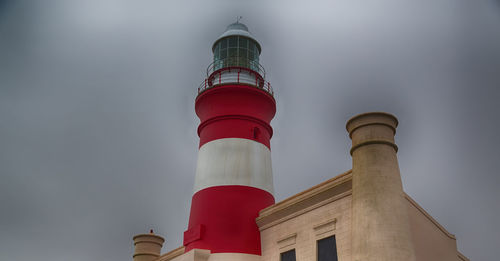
(98, 132)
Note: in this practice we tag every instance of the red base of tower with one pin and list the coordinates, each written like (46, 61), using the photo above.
(223, 219)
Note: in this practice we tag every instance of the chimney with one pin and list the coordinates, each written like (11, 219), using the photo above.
(147, 246)
(380, 225)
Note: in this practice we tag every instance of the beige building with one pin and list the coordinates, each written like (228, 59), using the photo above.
(362, 214)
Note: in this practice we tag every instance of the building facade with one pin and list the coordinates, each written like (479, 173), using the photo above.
(362, 214)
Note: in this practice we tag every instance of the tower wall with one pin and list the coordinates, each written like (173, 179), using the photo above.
(235, 111)
(380, 223)
(234, 174)
(234, 161)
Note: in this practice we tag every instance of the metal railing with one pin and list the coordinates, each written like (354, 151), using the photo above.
(229, 70)
(219, 79)
(236, 62)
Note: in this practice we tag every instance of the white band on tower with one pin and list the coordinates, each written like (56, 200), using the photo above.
(234, 161)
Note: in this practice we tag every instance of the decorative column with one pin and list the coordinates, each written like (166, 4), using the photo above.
(147, 246)
(380, 224)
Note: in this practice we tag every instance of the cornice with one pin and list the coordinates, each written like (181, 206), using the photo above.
(172, 254)
(314, 197)
(417, 206)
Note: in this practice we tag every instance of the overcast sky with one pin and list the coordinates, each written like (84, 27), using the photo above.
(98, 132)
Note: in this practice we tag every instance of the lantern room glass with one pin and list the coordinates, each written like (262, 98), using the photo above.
(238, 51)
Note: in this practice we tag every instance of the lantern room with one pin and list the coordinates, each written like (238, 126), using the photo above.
(236, 60)
(236, 47)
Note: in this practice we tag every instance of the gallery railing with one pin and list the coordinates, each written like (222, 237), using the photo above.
(236, 70)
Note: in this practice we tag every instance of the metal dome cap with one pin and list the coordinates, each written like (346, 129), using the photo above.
(237, 29)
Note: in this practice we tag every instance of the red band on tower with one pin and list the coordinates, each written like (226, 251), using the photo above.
(227, 215)
(234, 111)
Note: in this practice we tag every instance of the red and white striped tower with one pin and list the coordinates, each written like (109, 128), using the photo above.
(233, 177)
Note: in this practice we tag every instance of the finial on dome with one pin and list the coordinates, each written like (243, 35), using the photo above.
(238, 18)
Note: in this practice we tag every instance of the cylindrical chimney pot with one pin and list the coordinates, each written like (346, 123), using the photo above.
(380, 224)
(147, 247)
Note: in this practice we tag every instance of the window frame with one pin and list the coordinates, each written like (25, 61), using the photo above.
(289, 250)
(316, 245)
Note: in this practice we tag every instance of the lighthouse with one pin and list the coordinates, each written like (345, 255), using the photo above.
(361, 214)
(234, 181)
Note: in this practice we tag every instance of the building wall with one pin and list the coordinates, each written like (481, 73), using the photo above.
(298, 222)
(431, 241)
(302, 232)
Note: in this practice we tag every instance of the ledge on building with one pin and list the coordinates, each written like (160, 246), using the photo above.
(317, 196)
(172, 254)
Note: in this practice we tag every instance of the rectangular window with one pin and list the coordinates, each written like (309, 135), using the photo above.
(327, 249)
(216, 53)
(250, 56)
(243, 43)
(288, 255)
(223, 53)
(223, 43)
(253, 48)
(232, 52)
(242, 53)
(233, 41)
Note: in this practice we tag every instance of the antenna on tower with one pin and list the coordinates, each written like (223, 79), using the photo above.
(238, 18)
